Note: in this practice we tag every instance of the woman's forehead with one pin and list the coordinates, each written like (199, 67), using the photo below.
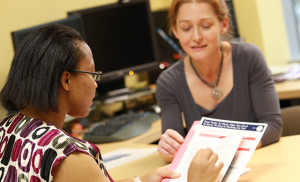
(87, 59)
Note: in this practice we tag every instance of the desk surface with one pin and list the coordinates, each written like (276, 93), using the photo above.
(288, 89)
(276, 162)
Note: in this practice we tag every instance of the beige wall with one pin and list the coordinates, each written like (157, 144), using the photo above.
(18, 14)
(261, 22)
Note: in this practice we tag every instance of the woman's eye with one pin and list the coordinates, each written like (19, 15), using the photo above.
(206, 26)
(186, 28)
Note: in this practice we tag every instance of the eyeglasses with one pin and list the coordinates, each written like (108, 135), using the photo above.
(96, 75)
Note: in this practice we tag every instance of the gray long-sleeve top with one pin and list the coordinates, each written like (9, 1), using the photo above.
(252, 99)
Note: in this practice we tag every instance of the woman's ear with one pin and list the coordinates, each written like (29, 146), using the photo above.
(65, 80)
(175, 32)
(224, 25)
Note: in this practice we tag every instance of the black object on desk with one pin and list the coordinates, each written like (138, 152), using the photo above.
(122, 127)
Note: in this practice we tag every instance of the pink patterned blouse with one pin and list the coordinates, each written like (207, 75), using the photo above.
(30, 149)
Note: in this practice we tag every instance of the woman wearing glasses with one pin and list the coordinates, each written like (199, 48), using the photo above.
(52, 74)
(216, 78)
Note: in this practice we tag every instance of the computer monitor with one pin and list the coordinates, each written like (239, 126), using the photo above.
(122, 39)
(71, 21)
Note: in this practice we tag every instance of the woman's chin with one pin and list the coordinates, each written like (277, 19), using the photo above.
(82, 114)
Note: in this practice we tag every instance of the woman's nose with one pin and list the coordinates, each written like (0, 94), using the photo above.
(197, 35)
(95, 84)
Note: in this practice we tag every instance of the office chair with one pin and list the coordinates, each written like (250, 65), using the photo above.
(291, 120)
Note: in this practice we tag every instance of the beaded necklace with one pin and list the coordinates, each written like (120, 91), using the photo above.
(216, 91)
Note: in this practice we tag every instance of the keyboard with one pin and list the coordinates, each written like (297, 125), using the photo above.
(121, 127)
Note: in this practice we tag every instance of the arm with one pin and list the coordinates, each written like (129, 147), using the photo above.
(172, 127)
(79, 167)
(264, 98)
(168, 95)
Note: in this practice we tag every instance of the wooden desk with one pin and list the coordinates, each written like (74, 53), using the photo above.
(277, 162)
(288, 89)
(141, 141)
(138, 167)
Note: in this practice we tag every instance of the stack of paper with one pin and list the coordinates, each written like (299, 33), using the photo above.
(233, 141)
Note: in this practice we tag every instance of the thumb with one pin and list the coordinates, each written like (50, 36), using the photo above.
(167, 173)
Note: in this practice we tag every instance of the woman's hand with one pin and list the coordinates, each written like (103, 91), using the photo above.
(203, 167)
(169, 144)
(159, 174)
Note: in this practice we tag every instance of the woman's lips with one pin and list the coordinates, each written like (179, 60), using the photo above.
(198, 47)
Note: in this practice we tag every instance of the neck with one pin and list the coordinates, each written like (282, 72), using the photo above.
(208, 69)
(55, 118)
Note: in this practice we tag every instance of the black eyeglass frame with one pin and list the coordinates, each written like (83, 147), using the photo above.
(96, 75)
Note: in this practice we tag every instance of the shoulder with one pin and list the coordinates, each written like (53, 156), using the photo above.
(247, 54)
(245, 49)
(171, 73)
(174, 69)
(75, 156)
(249, 58)
(48, 136)
(63, 147)
(244, 46)
(78, 167)
(171, 79)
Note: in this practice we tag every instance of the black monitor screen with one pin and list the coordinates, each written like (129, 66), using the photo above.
(121, 37)
(71, 21)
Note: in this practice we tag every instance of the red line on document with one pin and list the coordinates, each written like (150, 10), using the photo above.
(243, 149)
(212, 136)
(248, 138)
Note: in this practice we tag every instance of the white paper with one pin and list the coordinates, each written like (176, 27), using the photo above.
(125, 155)
(233, 141)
